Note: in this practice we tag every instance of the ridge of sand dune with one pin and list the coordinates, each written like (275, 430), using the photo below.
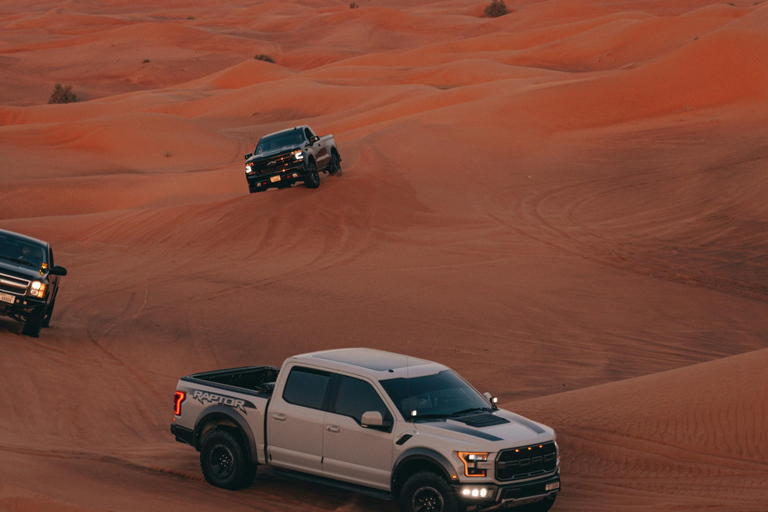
(246, 73)
(682, 435)
(725, 67)
(133, 141)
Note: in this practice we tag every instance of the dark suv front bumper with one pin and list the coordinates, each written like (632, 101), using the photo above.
(22, 306)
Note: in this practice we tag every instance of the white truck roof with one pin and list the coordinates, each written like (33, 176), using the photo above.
(374, 364)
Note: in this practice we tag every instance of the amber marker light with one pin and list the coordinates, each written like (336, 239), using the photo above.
(177, 399)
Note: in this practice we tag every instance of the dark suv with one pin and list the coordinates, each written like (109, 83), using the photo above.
(29, 281)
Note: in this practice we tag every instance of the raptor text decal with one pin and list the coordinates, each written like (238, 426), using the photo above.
(211, 398)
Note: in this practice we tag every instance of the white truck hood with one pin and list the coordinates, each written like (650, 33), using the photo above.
(515, 431)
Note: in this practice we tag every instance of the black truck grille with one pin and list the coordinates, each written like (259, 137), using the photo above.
(526, 461)
(273, 164)
(12, 284)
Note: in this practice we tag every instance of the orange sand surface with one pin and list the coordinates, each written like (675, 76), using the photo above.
(566, 204)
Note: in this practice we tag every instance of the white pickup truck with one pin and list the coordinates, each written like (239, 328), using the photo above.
(375, 422)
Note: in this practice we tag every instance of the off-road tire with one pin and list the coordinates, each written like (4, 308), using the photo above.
(428, 492)
(540, 506)
(335, 166)
(224, 461)
(313, 177)
(33, 323)
(49, 314)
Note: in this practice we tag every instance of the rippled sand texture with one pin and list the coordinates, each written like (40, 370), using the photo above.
(566, 204)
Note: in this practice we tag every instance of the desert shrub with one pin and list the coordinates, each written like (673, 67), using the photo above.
(353, 5)
(62, 94)
(265, 58)
(496, 8)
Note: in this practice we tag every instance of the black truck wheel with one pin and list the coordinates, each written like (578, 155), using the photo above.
(428, 492)
(224, 462)
(33, 323)
(335, 165)
(313, 177)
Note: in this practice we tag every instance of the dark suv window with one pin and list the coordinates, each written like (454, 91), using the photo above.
(306, 387)
(356, 397)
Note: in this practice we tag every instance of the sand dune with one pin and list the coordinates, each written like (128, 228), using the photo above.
(566, 204)
(703, 430)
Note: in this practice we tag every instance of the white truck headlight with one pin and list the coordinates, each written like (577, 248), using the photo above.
(471, 462)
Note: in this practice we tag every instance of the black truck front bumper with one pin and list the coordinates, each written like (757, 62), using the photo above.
(282, 177)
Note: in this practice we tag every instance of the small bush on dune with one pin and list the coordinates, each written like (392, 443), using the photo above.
(62, 94)
(265, 58)
(496, 8)
(353, 5)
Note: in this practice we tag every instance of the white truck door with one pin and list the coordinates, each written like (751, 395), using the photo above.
(296, 421)
(351, 452)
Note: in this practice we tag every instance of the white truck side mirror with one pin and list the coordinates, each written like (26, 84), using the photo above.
(372, 419)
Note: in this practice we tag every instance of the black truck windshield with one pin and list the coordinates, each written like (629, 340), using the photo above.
(289, 139)
(437, 396)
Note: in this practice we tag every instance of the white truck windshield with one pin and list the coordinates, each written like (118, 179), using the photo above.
(437, 396)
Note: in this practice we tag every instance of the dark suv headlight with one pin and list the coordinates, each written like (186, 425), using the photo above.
(37, 289)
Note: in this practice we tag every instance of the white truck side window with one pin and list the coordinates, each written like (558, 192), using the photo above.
(306, 387)
(356, 397)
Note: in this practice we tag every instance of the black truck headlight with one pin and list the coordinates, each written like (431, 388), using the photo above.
(249, 169)
(473, 463)
(37, 289)
(298, 154)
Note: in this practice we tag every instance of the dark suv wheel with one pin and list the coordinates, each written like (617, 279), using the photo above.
(224, 462)
(34, 322)
(49, 313)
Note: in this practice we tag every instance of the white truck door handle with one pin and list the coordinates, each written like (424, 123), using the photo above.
(278, 416)
(332, 428)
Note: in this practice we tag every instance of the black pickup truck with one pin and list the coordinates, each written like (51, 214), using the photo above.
(297, 154)
(29, 281)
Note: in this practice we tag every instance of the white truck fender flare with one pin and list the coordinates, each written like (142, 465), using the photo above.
(223, 412)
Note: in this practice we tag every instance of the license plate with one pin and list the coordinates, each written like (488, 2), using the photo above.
(5, 297)
(274, 179)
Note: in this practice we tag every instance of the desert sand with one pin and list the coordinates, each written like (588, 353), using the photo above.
(566, 204)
